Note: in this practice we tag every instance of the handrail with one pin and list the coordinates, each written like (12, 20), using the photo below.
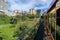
(48, 30)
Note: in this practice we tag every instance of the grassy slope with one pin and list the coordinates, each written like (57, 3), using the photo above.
(7, 32)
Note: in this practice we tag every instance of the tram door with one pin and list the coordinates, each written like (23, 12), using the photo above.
(58, 17)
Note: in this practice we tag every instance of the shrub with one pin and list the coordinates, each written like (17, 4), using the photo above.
(13, 21)
(4, 19)
(31, 16)
(23, 27)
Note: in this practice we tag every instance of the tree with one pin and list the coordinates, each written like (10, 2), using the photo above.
(13, 21)
(31, 16)
(38, 11)
(4, 19)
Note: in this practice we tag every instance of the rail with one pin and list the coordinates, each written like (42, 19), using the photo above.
(46, 19)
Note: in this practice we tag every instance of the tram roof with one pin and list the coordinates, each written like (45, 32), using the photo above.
(53, 5)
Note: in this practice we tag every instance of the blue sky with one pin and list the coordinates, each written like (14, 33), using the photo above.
(25, 5)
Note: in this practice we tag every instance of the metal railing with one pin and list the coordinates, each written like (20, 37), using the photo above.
(49, 22)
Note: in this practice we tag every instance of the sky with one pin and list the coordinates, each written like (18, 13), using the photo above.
(25, 5)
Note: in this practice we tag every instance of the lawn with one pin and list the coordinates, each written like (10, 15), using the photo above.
(7, 32)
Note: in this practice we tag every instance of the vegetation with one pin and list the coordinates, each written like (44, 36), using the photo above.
(4, 19)
(13, 27)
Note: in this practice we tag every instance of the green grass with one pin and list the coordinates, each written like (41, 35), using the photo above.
(7, 30)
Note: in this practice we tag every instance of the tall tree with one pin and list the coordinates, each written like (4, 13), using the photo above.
(38, 11)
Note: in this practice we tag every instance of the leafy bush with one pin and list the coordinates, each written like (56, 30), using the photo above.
(12, 26)
(31, 16)
(37, 15)
(24, 17)
(20, 30)
(23, 27)
(18, 17)
(13, 21)
(4, 19)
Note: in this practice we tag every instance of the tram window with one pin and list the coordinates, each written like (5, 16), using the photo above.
(58, 12)
(58, 17)
(58, 21)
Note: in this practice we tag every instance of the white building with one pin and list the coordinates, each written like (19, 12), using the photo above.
(4, 8)
(3, 5)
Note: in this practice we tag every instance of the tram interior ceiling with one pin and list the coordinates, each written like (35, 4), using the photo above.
(58, 17)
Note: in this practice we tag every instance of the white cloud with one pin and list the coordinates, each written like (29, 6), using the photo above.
(22, 6)
(30, 4)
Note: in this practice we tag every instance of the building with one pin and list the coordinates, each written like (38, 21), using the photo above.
(18, 12)
(3, 5)
(32, 11)
(4, 8)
